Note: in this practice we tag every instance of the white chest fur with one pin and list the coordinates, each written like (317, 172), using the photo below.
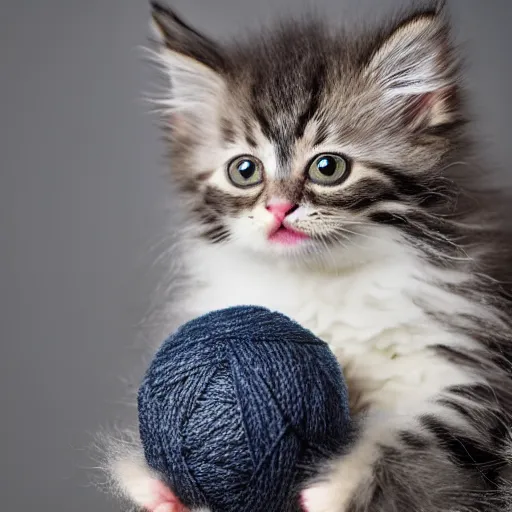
(369, 315)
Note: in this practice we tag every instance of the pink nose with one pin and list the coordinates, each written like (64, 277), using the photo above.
(280, 208)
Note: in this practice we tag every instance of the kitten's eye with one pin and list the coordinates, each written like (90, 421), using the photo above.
(245, 171)
(328, 169)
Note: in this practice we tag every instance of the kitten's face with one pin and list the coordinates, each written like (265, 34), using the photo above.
(302, 142)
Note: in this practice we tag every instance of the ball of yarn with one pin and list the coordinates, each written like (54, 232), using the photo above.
(237, 406)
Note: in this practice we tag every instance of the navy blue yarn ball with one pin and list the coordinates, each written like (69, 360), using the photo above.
(238, 406)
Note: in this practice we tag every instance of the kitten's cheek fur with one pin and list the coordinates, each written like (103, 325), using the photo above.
(252, 229)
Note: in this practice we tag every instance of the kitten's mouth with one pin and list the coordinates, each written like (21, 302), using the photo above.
(286, 236)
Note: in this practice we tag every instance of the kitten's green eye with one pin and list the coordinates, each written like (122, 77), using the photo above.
(328, 169)
(245, 171)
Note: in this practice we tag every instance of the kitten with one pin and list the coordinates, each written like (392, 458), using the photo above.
(330, 175)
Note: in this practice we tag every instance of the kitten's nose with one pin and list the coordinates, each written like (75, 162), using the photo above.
(280, 208)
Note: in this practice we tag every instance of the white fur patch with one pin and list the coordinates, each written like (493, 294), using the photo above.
(368, 311)
(367, 306)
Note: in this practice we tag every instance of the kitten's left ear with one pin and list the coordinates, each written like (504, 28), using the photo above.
(194, 63)
(416, 70)
(180, 38)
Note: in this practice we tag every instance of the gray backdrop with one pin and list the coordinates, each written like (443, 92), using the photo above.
(82, 191)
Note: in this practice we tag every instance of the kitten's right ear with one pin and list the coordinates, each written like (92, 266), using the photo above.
(193, 62)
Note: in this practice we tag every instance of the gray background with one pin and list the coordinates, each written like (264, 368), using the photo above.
(82, 196)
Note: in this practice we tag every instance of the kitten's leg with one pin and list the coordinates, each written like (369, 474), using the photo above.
(142, 486)
(432, 463)
(131, 478)
(164, 500)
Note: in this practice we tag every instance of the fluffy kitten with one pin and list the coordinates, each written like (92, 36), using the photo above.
(329, 175)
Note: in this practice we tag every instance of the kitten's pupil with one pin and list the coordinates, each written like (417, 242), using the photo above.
(327, 166)
(246, 168)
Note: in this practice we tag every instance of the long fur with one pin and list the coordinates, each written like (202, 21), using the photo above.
(407, 270)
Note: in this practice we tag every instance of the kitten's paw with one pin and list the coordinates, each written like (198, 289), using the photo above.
(320, 498)
(163, 499)
(349, 476)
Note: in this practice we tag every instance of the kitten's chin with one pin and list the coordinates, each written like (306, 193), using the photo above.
(296, 247)
(282, 244)
(312, 252)
(303, 252)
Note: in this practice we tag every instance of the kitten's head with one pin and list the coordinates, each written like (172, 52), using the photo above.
(303, 139)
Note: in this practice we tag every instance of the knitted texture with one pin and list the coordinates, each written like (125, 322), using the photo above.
(237, 408)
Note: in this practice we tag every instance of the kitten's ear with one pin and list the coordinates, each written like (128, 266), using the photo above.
(416, 69)
(193, 62)
(181, 38)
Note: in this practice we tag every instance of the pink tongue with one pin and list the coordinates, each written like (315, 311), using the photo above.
(287, 236)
